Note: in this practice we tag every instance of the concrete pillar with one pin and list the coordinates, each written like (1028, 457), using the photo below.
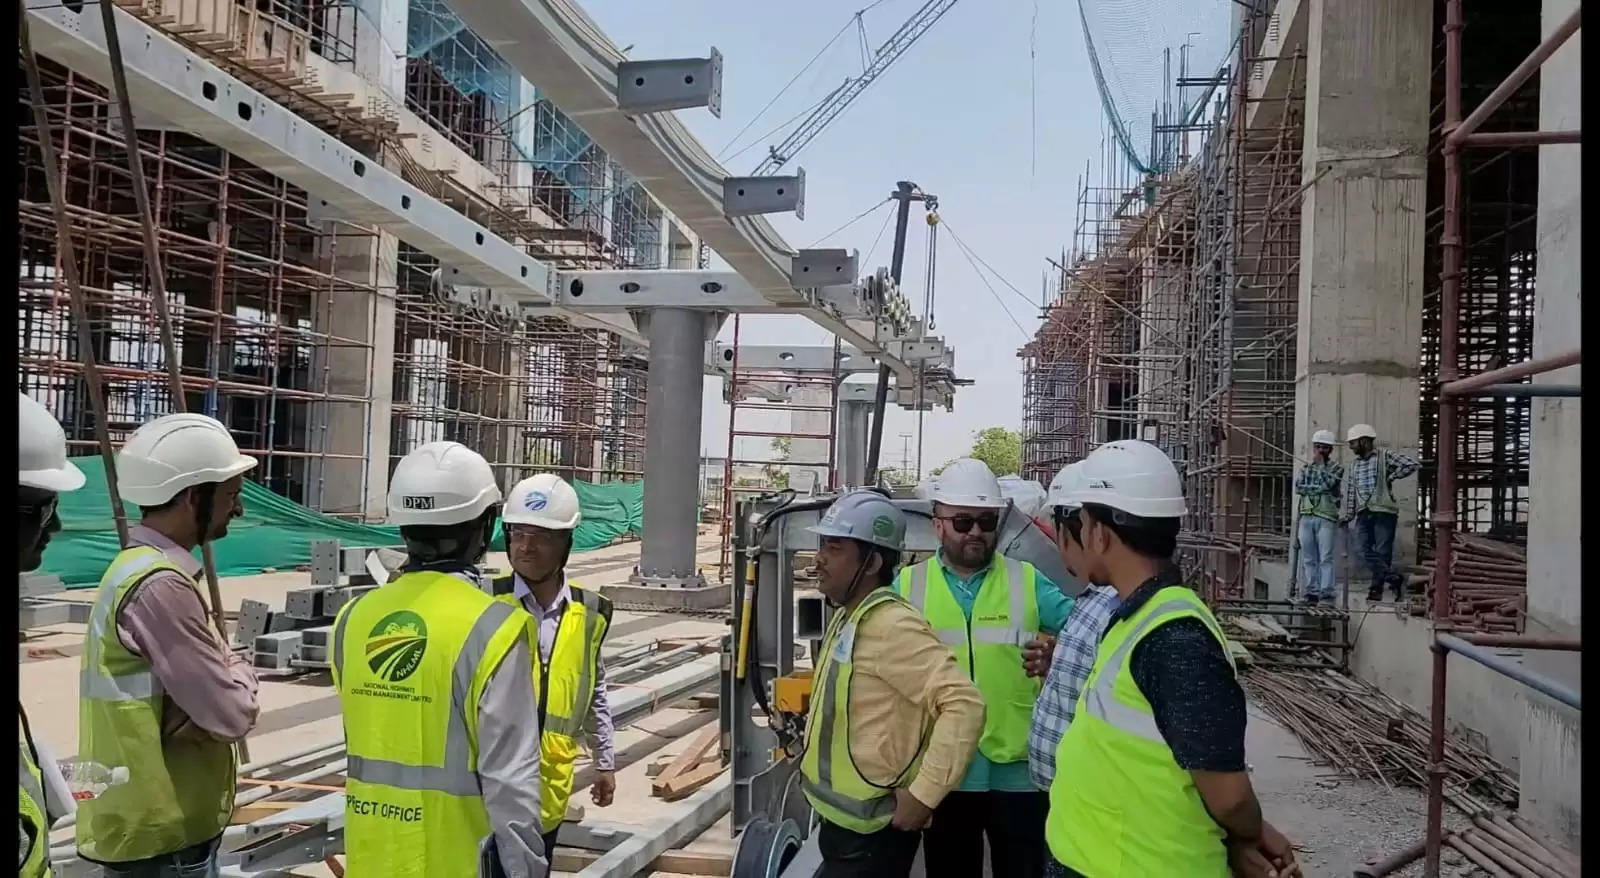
(378, 30)
(855, 417)
(1362, 224)
(678, 338)
(360, 484)
(1551, 756)
(816, 421)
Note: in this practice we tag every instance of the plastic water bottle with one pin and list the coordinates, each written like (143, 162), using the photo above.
(90, 780)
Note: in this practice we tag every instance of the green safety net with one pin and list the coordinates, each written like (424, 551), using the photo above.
(276, 534)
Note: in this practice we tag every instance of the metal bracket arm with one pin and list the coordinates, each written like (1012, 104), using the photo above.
(671, 84)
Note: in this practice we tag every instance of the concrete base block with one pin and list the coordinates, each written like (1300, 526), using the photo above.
(705, 597)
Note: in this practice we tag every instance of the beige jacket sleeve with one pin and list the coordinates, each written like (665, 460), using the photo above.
(906, 654)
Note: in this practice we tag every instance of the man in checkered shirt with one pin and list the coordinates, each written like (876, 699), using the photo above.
(1074, 651)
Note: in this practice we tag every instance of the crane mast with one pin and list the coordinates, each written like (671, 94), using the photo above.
(845, 94)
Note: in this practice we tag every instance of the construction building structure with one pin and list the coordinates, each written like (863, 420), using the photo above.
(326, 345)
(1281, 270)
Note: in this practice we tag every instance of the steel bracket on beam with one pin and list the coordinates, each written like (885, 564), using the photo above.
(798, 359)
(751, 196)
(685, 288)
(824, 268)
(671, 84)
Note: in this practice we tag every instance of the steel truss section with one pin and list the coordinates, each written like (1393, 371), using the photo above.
(168, 81)
(566, 55)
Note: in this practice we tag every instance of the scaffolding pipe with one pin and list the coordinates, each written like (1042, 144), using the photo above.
(1456, 131)
(1522, 641)
(158, 288)
(1446, 643)
(1521, 138)
(69, 267)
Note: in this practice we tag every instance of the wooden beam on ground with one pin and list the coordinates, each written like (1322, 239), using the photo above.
(686, 783)
(700, 746)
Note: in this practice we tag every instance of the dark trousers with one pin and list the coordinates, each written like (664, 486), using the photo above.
(1375, 541)
(1053, 869)
(199, 861)
(1012, 822)
(550, 845)
(887, 853)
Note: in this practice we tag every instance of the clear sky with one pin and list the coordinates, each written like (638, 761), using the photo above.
(959, 114)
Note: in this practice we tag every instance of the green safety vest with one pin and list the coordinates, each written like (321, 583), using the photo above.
(31, 806)
(1120, 805)
(1319, 505)
(1382, 498)
(565, 688)
(988, 646)
(425, 646)
(180, 790)
(828, 774)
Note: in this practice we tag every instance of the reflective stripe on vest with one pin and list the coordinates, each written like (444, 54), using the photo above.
(410, 661)
(576, 653)
(31, 810)
(176, 796)
(1120, 804)
(828, 775)
(458, 775)
(993, 655)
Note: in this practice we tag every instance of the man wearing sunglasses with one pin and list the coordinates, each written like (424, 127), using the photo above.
(43, 474)
(999, 616)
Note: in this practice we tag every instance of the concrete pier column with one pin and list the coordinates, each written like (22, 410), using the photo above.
(357, 483)
(1362, 224)
(809, 457)
(855, 416)
(1551, 756)
(678, 338)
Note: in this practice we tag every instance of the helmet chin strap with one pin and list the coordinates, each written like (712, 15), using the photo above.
(855, 581)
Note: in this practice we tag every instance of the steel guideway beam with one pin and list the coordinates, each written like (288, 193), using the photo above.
(568, 58)
(167, 81)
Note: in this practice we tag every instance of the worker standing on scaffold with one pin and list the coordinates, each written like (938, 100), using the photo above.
(1150, 776)
(43, 474)
(570, 624)
(893, 721)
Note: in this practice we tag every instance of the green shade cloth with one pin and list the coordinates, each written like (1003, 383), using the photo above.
(277, 533)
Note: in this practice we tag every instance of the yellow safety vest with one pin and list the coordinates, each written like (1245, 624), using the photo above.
(31, 806)
(1120, 805)
(425, 646)
(179, 791)
(565, 688)
(988, 646)
(828, 774)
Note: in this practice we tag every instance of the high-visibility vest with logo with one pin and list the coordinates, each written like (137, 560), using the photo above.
(410, 662)
(180, 790)
(31, 807)
(988, 646)
(564, 683)
(1120, 805)
(828, 774)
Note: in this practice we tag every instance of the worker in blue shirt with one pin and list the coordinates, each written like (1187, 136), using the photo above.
(999, 616)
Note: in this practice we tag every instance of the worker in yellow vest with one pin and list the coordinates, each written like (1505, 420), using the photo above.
(161, 695)
(893, 722)
(999, 617)
(43, 475)
(440, 720)
(570, 623)
(1150, 777)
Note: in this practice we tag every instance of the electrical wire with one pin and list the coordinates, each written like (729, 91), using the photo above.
(867, 259)
(1033, 93)
(990, 287)
(782, 91)
(973, 254)
(859, 217)
(779, 127)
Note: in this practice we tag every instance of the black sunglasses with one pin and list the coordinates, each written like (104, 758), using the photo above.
(986, 522)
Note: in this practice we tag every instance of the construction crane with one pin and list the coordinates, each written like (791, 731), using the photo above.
(836, 103)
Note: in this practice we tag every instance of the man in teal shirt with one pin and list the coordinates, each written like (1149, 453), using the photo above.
(1000, 617)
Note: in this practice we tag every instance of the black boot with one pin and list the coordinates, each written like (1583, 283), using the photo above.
(1375, 593)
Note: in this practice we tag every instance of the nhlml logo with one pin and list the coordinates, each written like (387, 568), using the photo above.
(536, 501)
(396, 645)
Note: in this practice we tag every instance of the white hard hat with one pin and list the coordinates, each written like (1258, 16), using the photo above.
(42, 450)
(441, 483)
(1064, 485)
(867, 516)
(968, 482)
(1133, 476)
(544, 500)
(1322, 437)
(1361, 431)
(175, 452)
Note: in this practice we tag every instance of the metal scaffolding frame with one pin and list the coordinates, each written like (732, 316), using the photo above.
(1460, 134)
